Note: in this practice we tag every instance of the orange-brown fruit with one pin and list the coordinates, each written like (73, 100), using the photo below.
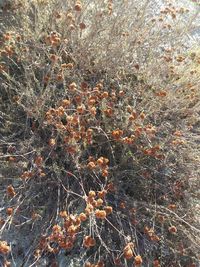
(102, 193)
(9, 211)
(92, 193)
(4, 248)
(11, 191)
(172, 229)
(88, 264)
(83, 217)
(100, 214)
(156, 263)
(63, 214)
(108, 210)
(138, 260)
(52, 142)
(172, 206)
(88, 241)
(100, 264)
(72, 86)
(128, 253)
(99, 202)
(82, 26)
(78, 6)
(105, 173)
(91, 165)
(38, 161)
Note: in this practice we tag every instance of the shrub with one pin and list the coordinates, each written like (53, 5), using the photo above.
(99, 119)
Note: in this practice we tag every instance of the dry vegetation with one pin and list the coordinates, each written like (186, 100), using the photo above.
(99, 137)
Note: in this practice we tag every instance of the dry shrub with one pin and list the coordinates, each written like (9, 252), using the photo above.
(99, 136)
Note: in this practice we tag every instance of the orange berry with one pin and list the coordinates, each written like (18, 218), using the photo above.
(64, 65)
(11, 191)
(92, 242)
(78, 99)
(105, 173)
(83, 217)
(172, 206)
(94, 203)
(156, 263)
(92, 193)
(128, 249)
(100, 161)
(100, 214)
(63, 214)
(11, 159)
(9, 211)
(53, 58)
(70, 16)
(178, 133)
(88, 241)
(52, 142)
(1, 221)
(117, 134)
(108, 210)
(7, 36)
(161, 93)
(38, 160)
(91, 165)
(172, 229)
(77, 221)
(56, 228)
(26, 175)
(132, 117)
(137, 66)
(104, 95)
(100, 264)
(99, 202)
(128, 253)
(129, 109)
(72, 229)
(121, 93)
(84, 86)
(69, 66)
(91, 102)
(89, 208)
(122, 205)
(72, 86)
(80, 109)
(142, 116)
(108, 112)
(4, 248)
(87, 264)
(71, 27)
(7, 263)
(18, 38)
(78, 6)
(93, 111)
(82, 26)
(138, 260)
(101, 194)
(99, 85)
(59, 77)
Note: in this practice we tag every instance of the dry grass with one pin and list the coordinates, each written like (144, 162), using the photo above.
(99, 134)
